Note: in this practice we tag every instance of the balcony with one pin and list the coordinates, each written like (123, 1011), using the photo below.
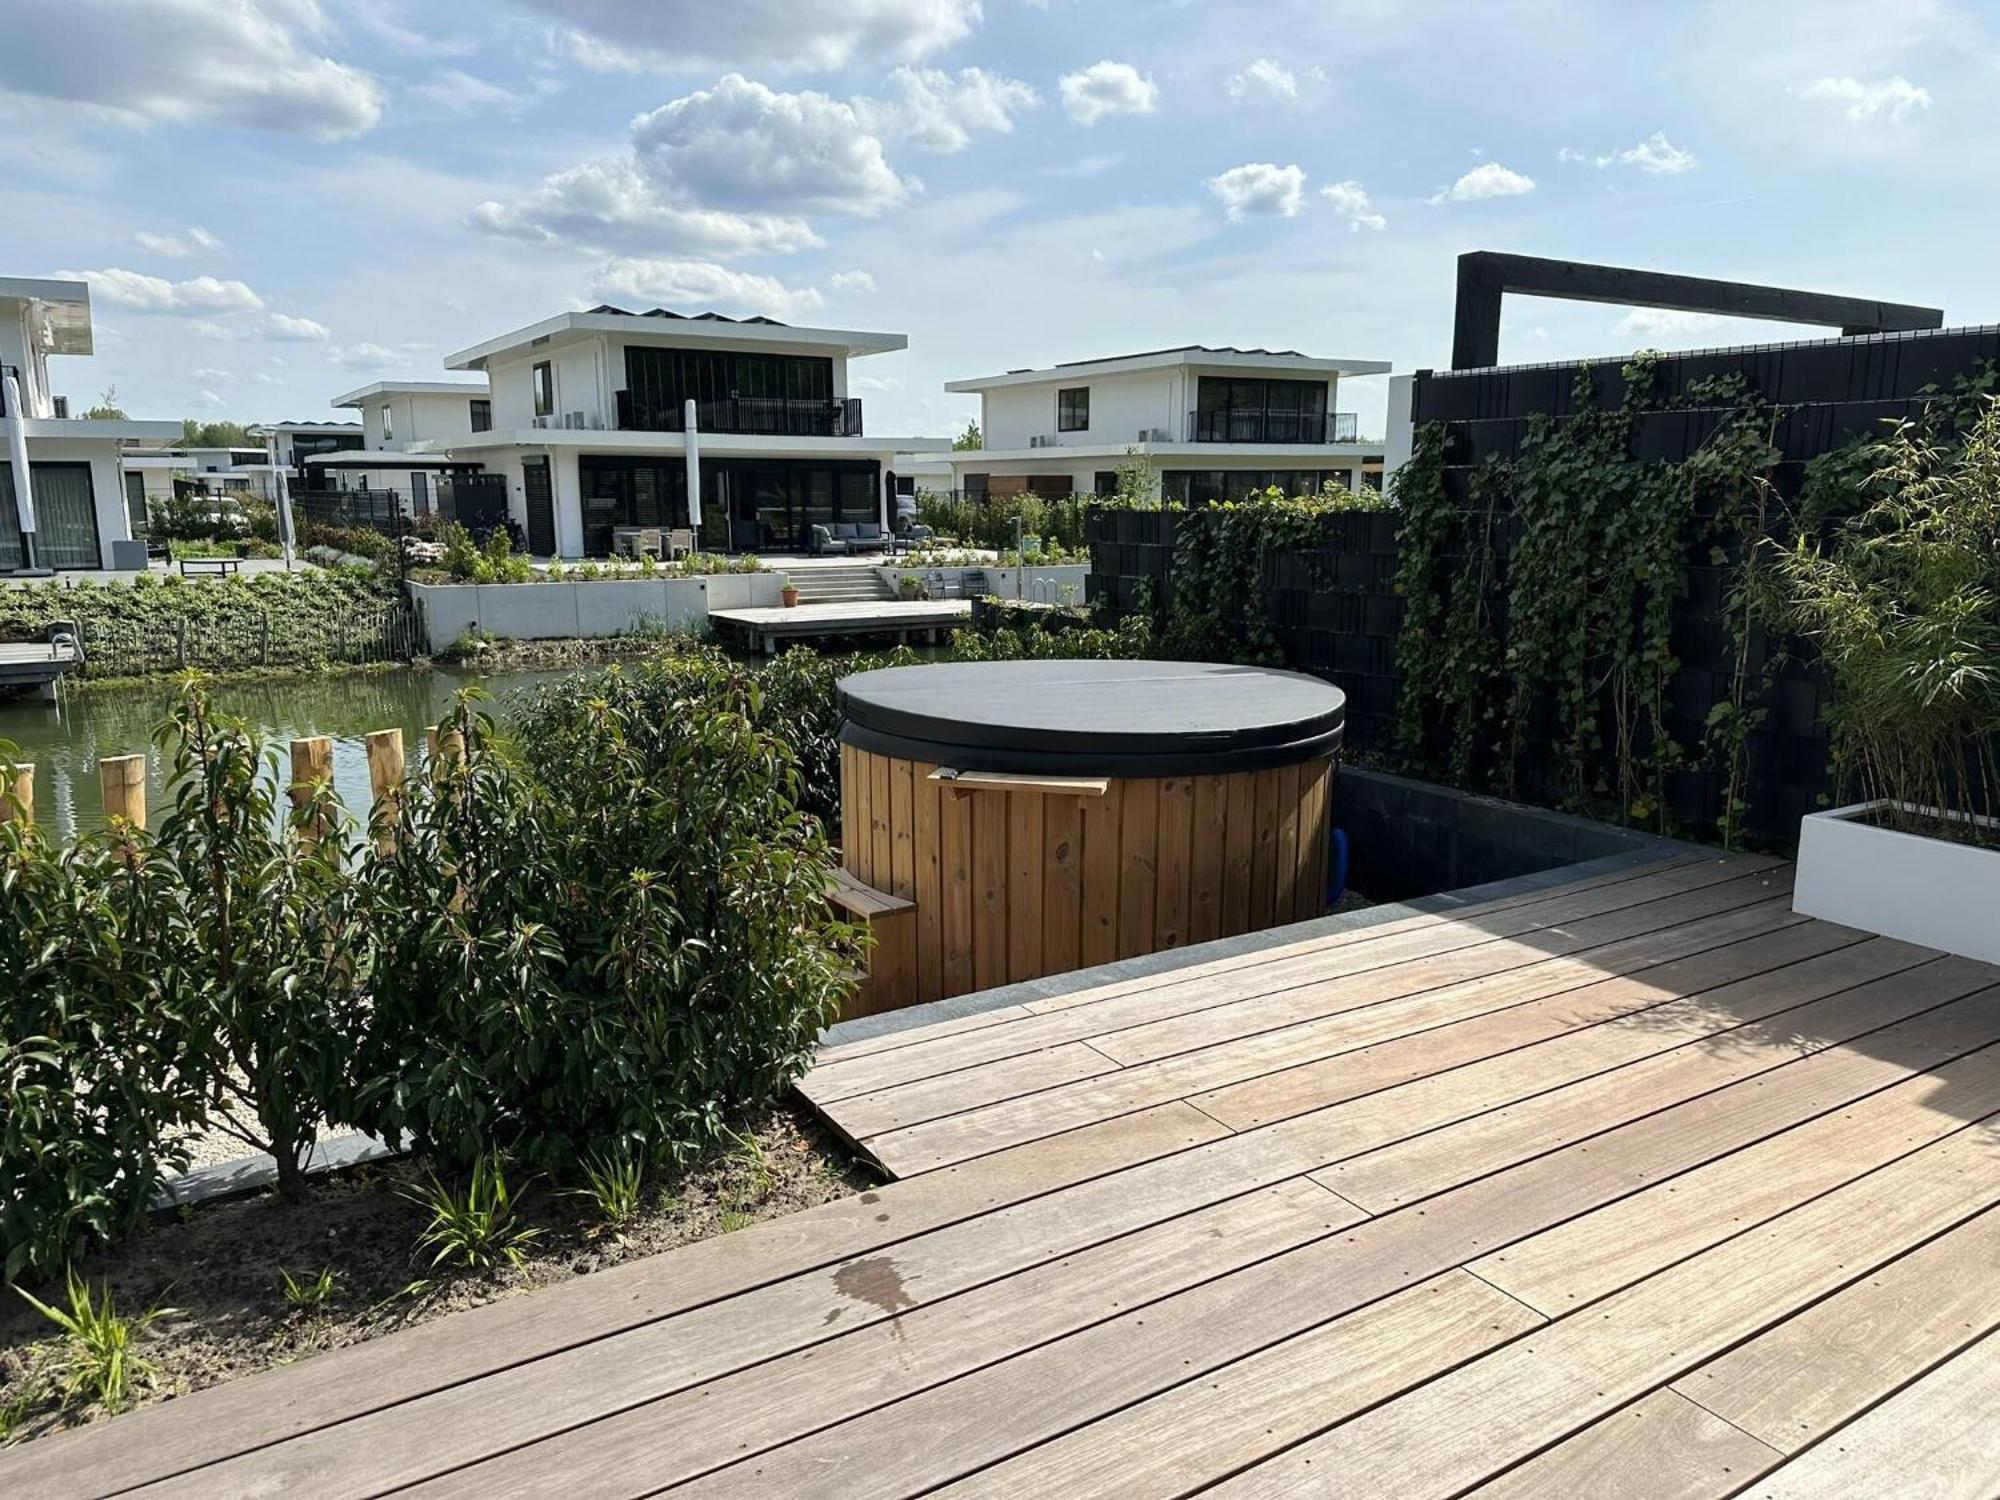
(764, 416)
(1254, 425)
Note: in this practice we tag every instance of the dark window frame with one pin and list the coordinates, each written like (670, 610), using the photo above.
(542, 385)
(1073, 409)
(481, 413)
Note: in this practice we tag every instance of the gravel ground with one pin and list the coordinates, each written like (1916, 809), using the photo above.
(217, 1268)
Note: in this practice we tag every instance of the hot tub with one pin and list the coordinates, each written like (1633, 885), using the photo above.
(1045, 816)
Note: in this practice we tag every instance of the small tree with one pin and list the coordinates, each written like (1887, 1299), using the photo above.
(107, 408)
(1903, 602)
(270, 951)
(969, 439)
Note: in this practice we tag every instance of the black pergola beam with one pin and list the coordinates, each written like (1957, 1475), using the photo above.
(1485, 276)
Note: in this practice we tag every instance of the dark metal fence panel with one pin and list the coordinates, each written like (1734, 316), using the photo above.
(379, 510)
(478, 502)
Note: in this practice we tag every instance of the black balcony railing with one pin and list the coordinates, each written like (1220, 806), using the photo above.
(1258, 425)
(766, 416)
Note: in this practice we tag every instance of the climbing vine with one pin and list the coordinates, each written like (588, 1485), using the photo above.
(1220, 609)
(1538, 653)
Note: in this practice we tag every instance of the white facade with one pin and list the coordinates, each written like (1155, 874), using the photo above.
(771, 450)
(1070, 428)
(73, 463)
(417, 416)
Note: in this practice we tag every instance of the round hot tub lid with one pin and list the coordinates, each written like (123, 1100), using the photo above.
(1104, 718)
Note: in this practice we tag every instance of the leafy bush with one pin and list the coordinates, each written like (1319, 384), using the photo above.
(618, 938)
(93, 1077)
(304, 617)
(1059, 523)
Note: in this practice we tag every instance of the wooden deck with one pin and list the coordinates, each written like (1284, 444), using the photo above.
(765, 628)
(1636, 1186)
(32, 663)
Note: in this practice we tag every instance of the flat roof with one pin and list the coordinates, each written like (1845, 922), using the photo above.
(679, 328)
(373, 458)
(1208, 355)
(353, 427)
(380, 388)
(65, 309)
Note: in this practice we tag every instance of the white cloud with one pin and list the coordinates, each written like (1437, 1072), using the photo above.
(1655, 154)
(371, 356)
(1659, 156)
(460, 93)
(1487, 180)
(212, 375)
(614, 206)
(295, 330)
(1259, 189)
(249, 63)
(936, 111)
(209, 399)
(746, 146)
(1350, 200)
(177, 244)
(1892, 100)
(1105, 89)
(851, 281)
(1265, 79)
(686, 285)
(157, 294)
(616, 35)
(876, 383)
(1664, 322)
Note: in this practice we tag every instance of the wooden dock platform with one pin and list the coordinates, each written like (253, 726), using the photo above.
(765, 629)
(27, 664)
(1640, 1185)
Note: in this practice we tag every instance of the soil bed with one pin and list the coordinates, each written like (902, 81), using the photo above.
(218, 1267)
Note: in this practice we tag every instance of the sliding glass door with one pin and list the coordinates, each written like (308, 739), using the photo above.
(65, 518)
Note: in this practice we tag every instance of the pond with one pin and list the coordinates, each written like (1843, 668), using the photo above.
(65, 739)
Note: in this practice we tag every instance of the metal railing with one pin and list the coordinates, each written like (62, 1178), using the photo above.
(381, 510)
(1262, 425)
(768, 416)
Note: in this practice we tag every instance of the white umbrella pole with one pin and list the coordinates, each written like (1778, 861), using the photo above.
(17, 453)
(694, 469)
(284, 502)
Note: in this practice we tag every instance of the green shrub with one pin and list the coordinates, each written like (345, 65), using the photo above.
(94, 1082)
(618, 939)
(96, 1355)
(472, 1227)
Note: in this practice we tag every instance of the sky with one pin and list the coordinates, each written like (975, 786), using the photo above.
(279, 200)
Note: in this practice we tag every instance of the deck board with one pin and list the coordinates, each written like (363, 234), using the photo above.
(1639, 1185)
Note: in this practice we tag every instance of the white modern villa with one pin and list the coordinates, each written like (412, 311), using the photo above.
(408, 428)
(589, 430)
(1206, 423)
(77, 486)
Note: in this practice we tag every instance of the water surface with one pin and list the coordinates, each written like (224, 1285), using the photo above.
(65, 739)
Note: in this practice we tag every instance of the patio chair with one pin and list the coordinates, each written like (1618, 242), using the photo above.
(680, 542)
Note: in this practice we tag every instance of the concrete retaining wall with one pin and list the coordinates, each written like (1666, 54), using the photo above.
(589, 610)
(1057, 582)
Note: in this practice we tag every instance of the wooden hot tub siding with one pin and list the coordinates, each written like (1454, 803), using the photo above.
(1013, 885)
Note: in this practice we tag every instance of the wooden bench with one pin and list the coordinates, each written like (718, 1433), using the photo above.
(220, 566)
(890, 981)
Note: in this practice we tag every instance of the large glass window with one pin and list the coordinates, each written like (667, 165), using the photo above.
(1073, 409)
(1232, 410)
(135, 502)
(482, 415)
(65, 518)
(733, 392)
(544, 378)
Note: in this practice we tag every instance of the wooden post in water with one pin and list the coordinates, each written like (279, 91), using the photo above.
(446, 747)
(385, 778)
(312, 762)
(122, 780)
(21, 804)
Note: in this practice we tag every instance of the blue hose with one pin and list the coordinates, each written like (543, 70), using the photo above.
(1339, 867)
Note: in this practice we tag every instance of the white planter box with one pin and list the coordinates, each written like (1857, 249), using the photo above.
(1900, 885)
